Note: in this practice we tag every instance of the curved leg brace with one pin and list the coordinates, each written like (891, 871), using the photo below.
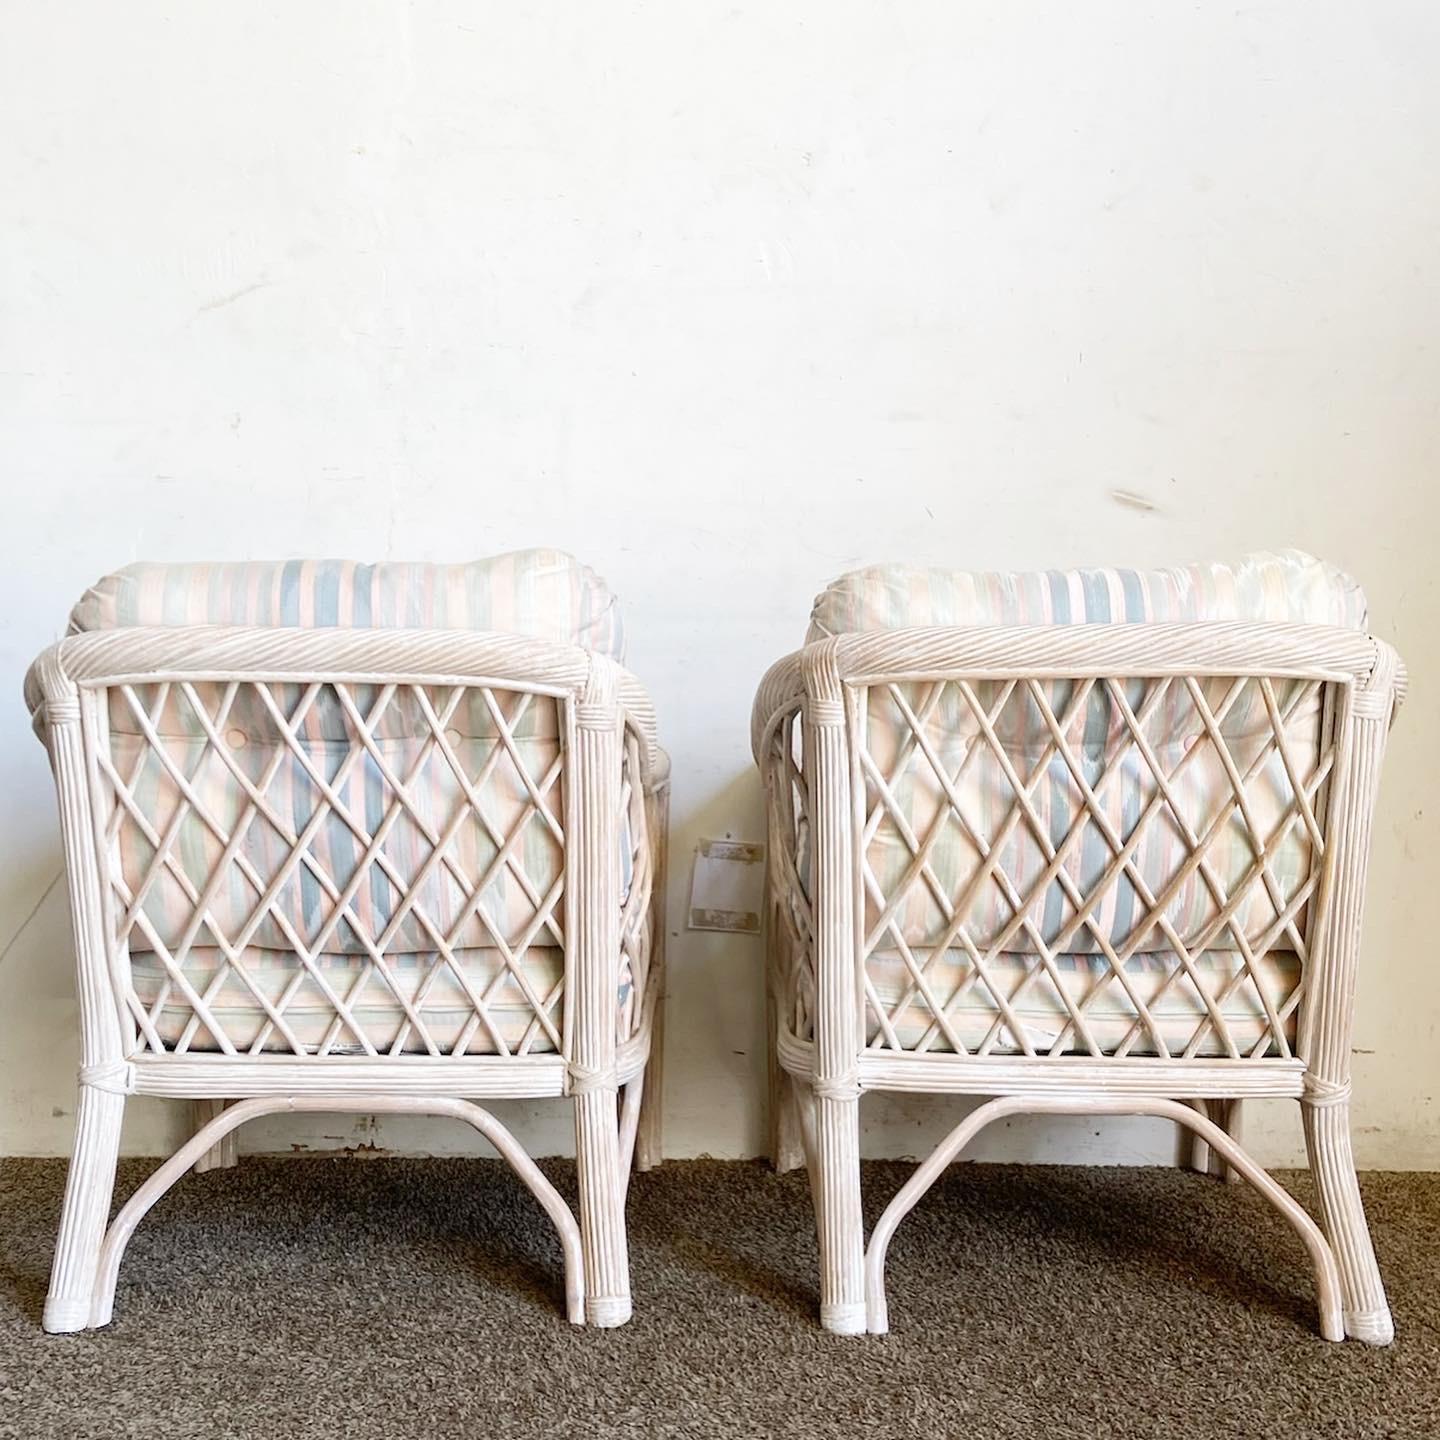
(1327, 1274)
(232, 1116)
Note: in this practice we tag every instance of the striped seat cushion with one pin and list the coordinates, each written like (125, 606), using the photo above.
(920, 908)
(440, 998)
(507, 746)
(1179, 1009)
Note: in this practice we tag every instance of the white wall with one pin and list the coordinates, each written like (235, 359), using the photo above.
(726, 297)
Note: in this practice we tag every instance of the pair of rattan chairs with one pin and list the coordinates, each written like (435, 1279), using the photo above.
(392, 838)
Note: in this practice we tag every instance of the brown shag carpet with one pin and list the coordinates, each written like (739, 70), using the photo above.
(397, 1298)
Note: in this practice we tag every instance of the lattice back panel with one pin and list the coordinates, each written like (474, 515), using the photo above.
(332, 868)
(1106, 866)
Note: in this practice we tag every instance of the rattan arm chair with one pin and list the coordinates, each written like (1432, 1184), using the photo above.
(835, 1036)
(614, 785)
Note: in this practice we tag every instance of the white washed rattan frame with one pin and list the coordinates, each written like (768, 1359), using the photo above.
(809, 739)
(610, 768)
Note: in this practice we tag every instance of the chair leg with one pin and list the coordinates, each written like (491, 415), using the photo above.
(838, 1215)
(602, 1208)
(1332, 1162)
(1191, 1152)
(89, 1185)
(1194, 1154)
(223, 1154)
(650, 1136)
(1226, 1114)
(787, 1150)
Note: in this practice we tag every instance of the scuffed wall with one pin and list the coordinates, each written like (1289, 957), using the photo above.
(726, 298)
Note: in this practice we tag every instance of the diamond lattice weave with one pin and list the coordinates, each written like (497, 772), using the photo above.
(375, 868)
(506, 747)
(310, 1016)
(1110, 866)
(955, 773)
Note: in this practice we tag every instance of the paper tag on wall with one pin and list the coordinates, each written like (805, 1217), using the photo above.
(727, 886)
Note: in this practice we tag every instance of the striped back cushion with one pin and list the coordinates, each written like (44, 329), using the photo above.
(1284, 587)
(545, 593)
(223, 742)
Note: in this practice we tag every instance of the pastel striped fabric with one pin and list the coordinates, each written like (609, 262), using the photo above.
(213, 739)
(902, 904)
(545, 593)
(1286, 586)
